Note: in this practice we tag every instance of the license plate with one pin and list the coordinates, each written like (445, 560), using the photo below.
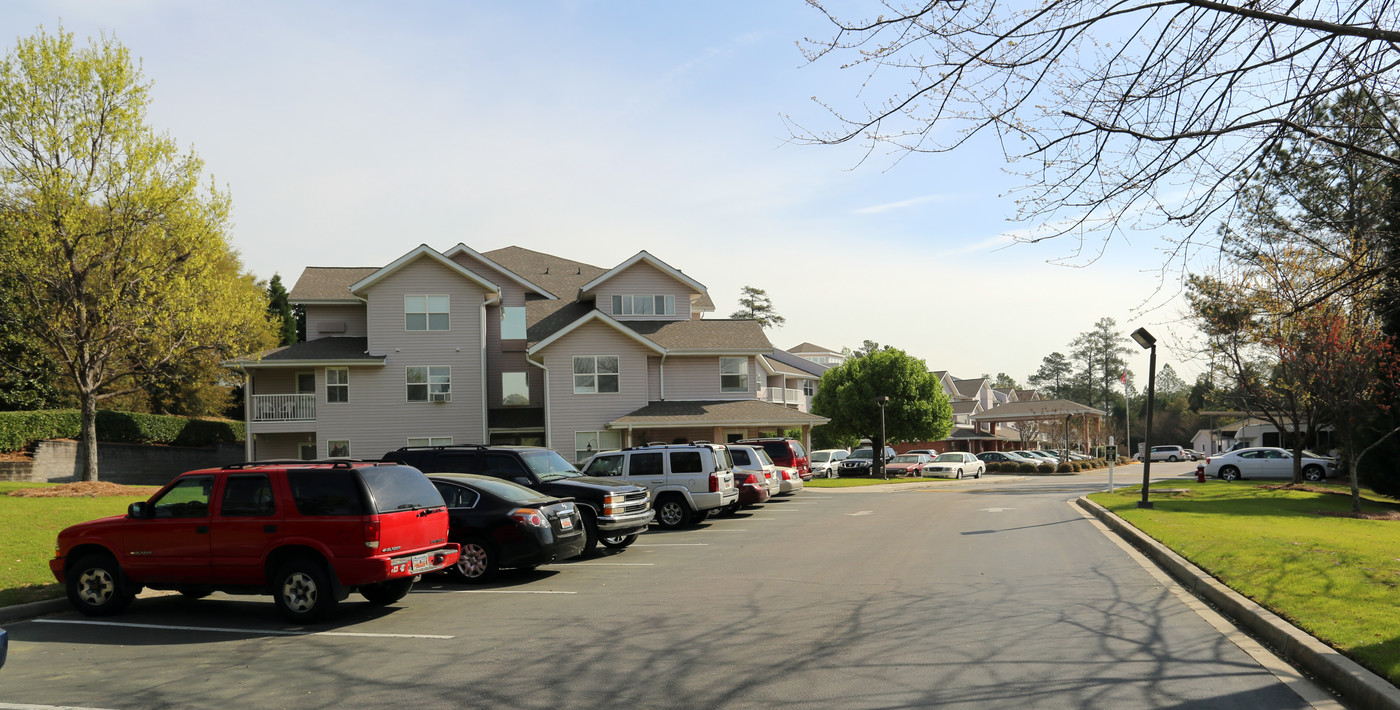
(420, 561)
(566, 522)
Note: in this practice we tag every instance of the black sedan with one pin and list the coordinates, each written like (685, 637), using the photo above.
(501, 524)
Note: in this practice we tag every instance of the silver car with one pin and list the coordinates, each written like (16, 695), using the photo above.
(1268, 462)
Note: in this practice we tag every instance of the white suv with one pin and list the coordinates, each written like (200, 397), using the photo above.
(687, 481)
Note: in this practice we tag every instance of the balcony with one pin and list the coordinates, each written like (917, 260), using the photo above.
(283, 408)
(783, 395)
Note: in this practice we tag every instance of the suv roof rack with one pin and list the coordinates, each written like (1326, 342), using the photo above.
(337, 463)
(440, 447)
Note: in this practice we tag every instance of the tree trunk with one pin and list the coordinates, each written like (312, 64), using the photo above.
(89, 437)
(1352, 465)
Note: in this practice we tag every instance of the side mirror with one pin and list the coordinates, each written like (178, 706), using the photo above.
(138, 510)
(522, 480)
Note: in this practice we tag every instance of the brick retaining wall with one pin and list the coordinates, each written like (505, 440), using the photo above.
(57, 461)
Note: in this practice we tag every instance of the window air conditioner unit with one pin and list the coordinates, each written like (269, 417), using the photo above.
(440, 397)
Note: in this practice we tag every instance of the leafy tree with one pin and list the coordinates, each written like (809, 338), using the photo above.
(1001, 381)
(918, 410)
(280, 310)
(1131, 108)
(866, 347)
(1170, 386)
(1101, 351)
(1053, 375)
(755, 305)
(28, 376)
(120, 260)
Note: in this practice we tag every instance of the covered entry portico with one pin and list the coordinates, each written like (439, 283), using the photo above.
(1049, 411)
(715, 421)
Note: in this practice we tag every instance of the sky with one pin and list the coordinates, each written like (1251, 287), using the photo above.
(348, 133)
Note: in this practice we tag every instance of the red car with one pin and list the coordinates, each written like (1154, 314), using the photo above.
(785, 452)
(306, 532)
(907, 465)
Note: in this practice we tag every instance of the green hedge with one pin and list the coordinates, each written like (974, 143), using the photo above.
(20, 429)
(1045, 468)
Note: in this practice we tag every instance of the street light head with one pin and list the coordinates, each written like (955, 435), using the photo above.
(882, 400)
(1144, 338)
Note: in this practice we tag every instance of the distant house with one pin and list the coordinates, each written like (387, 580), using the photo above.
(513, 346)
(1253, 431)
(818, 354)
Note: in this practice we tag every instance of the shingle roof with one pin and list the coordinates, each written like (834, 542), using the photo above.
(321, 282)
(746, 412)
(562, 277)
(1037, 409)
(965, 406)
(1026, 395)
(787, 363)
(703, 334)
(318, 350)
(811, 348)
(969, 388)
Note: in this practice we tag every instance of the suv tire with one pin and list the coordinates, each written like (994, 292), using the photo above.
(97, 587)
(302, 590)
(617, 543)
(387, 592)
(477, 563)
(672, 512)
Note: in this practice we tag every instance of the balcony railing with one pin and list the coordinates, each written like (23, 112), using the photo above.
(283, 408)
(782, 395)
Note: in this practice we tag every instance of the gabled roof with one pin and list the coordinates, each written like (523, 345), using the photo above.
(422, 251)
(967, 406)
(1027, 395)
(1038, 409)
(729, 336)
(591, 316)
(811, 348)
(639, 257)
(328, 284)
(773, 366)
(969, 388)
(464, 249)
(739, 412)
(323, 351)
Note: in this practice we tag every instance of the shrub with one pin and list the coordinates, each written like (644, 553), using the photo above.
(1064, 468)
(1045, 468)
(1076, 466)
(18, 430)
(1026, 467)
(993, 467)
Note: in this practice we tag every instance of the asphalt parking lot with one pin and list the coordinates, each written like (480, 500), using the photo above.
(986, 593)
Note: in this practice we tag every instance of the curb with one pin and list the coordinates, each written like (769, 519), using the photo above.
(30, 610)
(1358, 685)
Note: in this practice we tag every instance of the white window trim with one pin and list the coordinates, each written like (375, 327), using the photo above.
(744, 373)
(429, 439)
(348, 450)
(346, 385)
(598, 436)
(625, 304)
(596, 391)
(427, 312)
(428, 383)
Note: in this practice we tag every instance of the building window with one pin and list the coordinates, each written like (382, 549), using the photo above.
(430, 441)
(513, 323)
(734, 374)
(515, 389)
(659, 305)
(338, 448)
(425, 312)
(809, 387)
(594, 374)
(429, 384)
(337, 384)
(587, 443)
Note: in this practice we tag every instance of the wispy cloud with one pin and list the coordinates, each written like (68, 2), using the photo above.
(936, 197)
(999, 241)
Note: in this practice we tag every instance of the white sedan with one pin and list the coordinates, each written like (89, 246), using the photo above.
(956, 464)
(1267, 461)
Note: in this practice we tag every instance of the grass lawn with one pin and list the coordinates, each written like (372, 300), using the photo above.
(28, 529)
(1336, 578)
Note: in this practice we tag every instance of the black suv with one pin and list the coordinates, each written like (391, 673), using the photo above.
(614, 513)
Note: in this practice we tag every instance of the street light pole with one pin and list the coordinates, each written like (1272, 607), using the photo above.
(877, 451)
(1146, 340)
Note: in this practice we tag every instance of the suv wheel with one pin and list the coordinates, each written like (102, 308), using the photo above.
(672, 512)
(302, 590)
(387, 592)
(477, 563)
(619, 542)
(96, 586)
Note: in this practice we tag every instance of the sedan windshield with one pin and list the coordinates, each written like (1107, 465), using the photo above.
(548, 465)
(905, 459)
(949, 457)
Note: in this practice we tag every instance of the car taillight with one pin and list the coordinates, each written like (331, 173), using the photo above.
(1207, 459)
(530, 516)
(372, 534)
(787, 475)
(714, 483)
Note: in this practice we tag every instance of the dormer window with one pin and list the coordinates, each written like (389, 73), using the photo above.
(657, 305)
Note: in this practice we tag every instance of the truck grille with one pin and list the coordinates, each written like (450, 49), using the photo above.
(636, 502)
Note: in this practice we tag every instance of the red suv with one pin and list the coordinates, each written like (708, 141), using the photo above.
(785, 452)
(306, 532)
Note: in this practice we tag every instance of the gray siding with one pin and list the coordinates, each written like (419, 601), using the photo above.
(351, 316)
(642, 279)
(690, 378)
(569, 412)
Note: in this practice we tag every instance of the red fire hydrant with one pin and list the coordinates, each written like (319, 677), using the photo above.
(1200, 474)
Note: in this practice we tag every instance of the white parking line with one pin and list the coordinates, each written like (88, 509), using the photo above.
(255, 632)
(490, 591)
(11, 706)
(671, 544)
(707, 532)
(612, 564)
